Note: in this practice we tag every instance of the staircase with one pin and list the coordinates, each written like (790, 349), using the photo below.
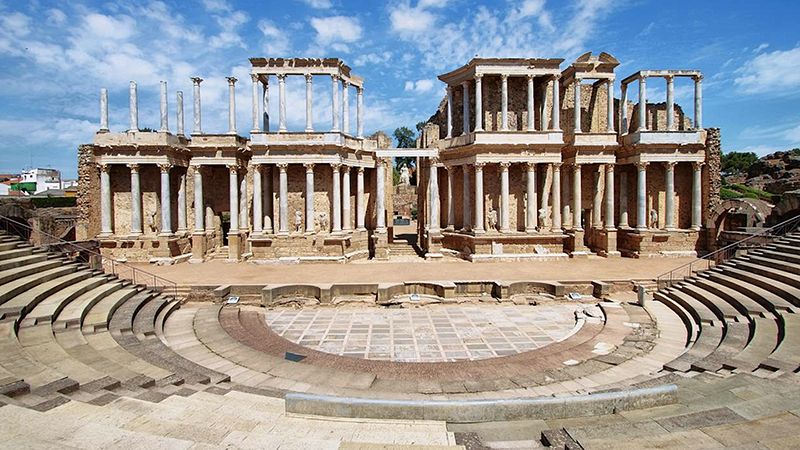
(405, 246)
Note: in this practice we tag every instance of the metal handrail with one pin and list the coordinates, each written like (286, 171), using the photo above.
(116, 267)
(668, 278)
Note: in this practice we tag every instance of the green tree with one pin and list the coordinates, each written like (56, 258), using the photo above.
(737, 162)
(405, 137)
(420, 126)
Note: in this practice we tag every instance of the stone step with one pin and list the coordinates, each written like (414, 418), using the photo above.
(16, 287)
(51, 306)
(23, 303)
(70, 314)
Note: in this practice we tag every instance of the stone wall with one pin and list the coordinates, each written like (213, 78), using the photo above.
(712, 178)
(88, 225)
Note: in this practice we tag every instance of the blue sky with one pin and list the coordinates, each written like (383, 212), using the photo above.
(56, 55)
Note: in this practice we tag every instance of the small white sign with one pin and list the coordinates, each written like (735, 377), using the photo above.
(233, 299)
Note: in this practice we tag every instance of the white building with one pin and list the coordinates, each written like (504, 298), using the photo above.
(44, 178)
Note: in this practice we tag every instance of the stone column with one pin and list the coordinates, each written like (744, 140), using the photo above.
(465, 198)
(642, 103)
(258, 200)
(451, 207)
(531, 200)
(179, 117)
(556, 194)
(623, 199)
(597, 199)
(283, 202)
(566, 221)
(197, 128)
(577, 107)
(697, 194)
(478, 225)
(449, 112)
(610, 105)
(265, 93)
(244, 213)
(269, 217)
(465, 107)
(182, 227)
(309, 101)
(336, 194)
(505, 217)
(359, 111)
(346, 222)
(255, 106)
(334, 103)
(233, 198)
(609, 191)
(670, 102)
(380, 208)
(166, 197)
(543, 116)
(577, 191)
(361, 207)
(163, 109)
(136, 201)
(281, 102)
(641, 196)
(345, 107)
(503, 102)
(478, 103)
(669, 193)
(433, 196)
(555, 123)
(199, 207)
(134, 108)
(623, 110)
(310, 198)
(698, 102)
(231, 104)
(103, 111)
(105, 200)
(531, 114)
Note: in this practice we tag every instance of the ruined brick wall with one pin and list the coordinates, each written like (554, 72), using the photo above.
(594, 113)
(712, 178)
(88, 202)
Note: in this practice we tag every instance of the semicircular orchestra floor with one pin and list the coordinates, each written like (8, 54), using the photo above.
(434, 333)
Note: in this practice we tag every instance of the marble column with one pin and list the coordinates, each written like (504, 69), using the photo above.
(105, 200)
(449, 112)
(359, 111)
(478, 103)
(334, 103)
(380, 208)
(698, 102)
(478, 224)
(555, 123)
(283, 201)
(531, 102)
(609, 191)
(670, 102)
(310, 198)
(199, 207)
(231, 104)
(531, 200)
(623, 199)
(265, 93)
(465, 107)
(597, 199)
(466, 190)
(336, 194)
(641, 196)
(269, 213)
(136, 201)
(361, 207)
(610, 105)
(163, 109)
(244, 212)
(697, 194)
(255, 106)
(309, 101)
(577, 192)
(669, 193)
(451, 207)
(133, 102)
(347, 224)
(166, 198)
(258, 200)
(505, 217)
(233, 198)
(345, 107)
(182, 227)
(503, 102)
(281, 103)
(556, 194)
(623, 110)
(103, 111)
(544, 118)
(433, 196)
(577, 106)
(179, 116)
(642, 103)
(197, 128)
(566, 220)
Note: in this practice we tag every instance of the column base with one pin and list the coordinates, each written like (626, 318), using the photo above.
(234, 247)
(531, 230)
(135, 233)
(198, 247)
(165, 235)
(479, 231)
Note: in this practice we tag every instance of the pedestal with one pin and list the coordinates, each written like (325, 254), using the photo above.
(198, 247)
(576, 246)
(234, 247)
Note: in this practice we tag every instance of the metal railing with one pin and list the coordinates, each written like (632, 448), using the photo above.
(755, 240)
(79, 251)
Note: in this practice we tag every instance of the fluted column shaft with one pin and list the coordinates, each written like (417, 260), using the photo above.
(642, 103)
(133, 106)
(179, 115)
(597, 198)
(103, 110)
(380, 208)
(556, 194)
(698, 102)
(531, 114)
(163, 108)
(197, 128)
(531, 200)
(255, 105)
(309, 102)
(199, 207)
(449, 112)
(283, 202)
(345, 107)
(258, 200)
(166, 197)
(623, 110)
(269, 221)
(505, 217)
(623, 199)
(641, 196)
(451, 207)
(577, 107)
(346, 222)
(361, 207)
(670, 103)
(669, 188)
(281, 103)
(233, 198)
(360, 112)
(697, 194)
(466, 192)
(182, 203)
(336, 191)
(433, 199)
(504, 102)
(334, 103)
(265, 93)
(310, 198)
(479, 219)
(478, 104)
(231, 105)
(577, 191)
(105, 200)
(136, 200)
(609, 191)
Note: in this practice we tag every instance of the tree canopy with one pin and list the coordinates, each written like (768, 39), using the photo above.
(738, 162)
(405, 137)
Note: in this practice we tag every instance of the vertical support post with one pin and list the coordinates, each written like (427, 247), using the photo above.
(669, 188)
(531, 102)
(166, 198)
(465, 107)
(336, 191)
(265, 92)
(597, 199)
(698, 102)
(283, 183)
(609, 191)
(182, 203)
(623, 199)
(433, 196)
(281, 102)
(310, 198)
(641, 196)
(361, 207)
(133, 102)
(642, 103)
(556, 194)
(334, 103)
(360, 111)
(505, 217)
(380, 208)
(136, 201)
(610, 105)
(451, 207)
(258, 200)
(163, 109)
(233, 198)
(531, 200)
(466, 191)
(179, 115)
(504, 102)
(697, 194)
(449, 112)
(255, 105)
(577, 192)
(577, 107)
(346, 222)
(478, 103)
(555, 123)
(478, 224)
(269, 216)
(345, 107)
(103, 111)
(231, 104)
(670, 102)
(197, 128)
(199, 208)
(309, 103)
(244, 213)
(623, 111)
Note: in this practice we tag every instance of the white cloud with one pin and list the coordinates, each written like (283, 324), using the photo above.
(771, 73)
(318, 4)
(336, 29)
(376, 58)
(408, 20)
(276, 41)
(420, 86)
(16, 23)
(56, 16)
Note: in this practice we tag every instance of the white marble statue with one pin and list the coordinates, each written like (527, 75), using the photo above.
(321, 221)
(491, 217)
(653, 218)
(405, 176)
(298, 220)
